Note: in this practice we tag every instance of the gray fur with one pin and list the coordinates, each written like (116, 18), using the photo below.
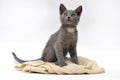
(64, 40)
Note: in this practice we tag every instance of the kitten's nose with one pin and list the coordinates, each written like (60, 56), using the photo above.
(68, 18)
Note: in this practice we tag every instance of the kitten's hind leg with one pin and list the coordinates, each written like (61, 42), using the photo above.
(49, 55)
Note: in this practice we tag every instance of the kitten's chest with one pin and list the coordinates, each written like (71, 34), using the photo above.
(71, 33)
(70, 30)
(69, 37)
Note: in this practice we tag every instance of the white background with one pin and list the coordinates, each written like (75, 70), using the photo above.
(25, 27)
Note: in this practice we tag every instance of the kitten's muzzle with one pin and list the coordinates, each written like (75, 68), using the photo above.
(68, 18)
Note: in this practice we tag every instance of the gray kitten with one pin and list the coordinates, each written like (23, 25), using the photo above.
(64, 40)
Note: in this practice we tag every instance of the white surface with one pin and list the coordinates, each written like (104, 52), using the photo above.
(25, 26)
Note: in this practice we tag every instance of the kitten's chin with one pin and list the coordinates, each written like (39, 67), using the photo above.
(70, 23)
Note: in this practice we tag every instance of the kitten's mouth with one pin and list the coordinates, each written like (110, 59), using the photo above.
(69, 20)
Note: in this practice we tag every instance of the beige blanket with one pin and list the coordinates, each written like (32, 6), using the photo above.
(85, 66)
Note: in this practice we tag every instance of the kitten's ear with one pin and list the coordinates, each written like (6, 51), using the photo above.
(62, 8)
(78, 10)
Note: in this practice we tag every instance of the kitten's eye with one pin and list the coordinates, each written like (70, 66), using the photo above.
(65, 14)
(73, 15)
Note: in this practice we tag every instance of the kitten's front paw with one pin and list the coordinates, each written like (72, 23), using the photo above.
(75, 61)
(61, 64)
(56, 63)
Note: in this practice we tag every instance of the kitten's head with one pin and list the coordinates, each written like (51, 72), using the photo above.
(70, 17)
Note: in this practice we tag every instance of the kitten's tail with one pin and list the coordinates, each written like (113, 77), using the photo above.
(20, 60)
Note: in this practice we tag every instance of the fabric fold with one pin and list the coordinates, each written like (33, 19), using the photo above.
(85, 66)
